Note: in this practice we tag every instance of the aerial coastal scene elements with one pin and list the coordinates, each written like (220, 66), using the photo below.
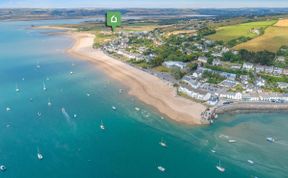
(168, 91)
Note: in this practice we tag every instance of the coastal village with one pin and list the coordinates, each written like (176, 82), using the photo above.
(204, 70)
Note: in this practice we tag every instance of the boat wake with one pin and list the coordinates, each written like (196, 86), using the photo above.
(67, 117)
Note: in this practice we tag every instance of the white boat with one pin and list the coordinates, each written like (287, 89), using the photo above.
(2, 168)
(39, 155)
(114, 108)
(39, 114)
(8, 109)
(17, 88)
(250, 161)
(49, 103)
(161, 168)
(213, 151)
(271, 139)
(71, 73)
(44, 86)
(74, 115)
(88, 94)
(220, 168)
(102, 127)
(232, 141)
(137, 109)
(163, 143)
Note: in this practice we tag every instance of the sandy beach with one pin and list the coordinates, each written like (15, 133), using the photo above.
(146, 87)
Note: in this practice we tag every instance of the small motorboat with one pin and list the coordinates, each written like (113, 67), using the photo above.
(163, 143)
(39, 156)
(161, 168)
(250, 161)
(44, 86)
(8, 109)
(2, 168)
(232, 141)
(17, 88)
(137, 109)
(71, 73)
(39, 114)
(220, 168)
(88, 94)
(271, 139)
(49, 103)
(114, 108)
(213, 151)
(74, 115)
(102, 127)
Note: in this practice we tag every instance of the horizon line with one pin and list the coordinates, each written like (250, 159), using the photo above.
(263, 7)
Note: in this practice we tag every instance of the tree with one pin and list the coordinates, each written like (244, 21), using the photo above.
(176, 73)
(157, 61)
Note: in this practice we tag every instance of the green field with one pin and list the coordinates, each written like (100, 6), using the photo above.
(227, 33)
(273, 38)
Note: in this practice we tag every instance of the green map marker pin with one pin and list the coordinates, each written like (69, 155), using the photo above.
(113, 19)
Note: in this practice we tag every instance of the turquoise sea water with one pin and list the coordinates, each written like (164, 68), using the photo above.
(129, 147)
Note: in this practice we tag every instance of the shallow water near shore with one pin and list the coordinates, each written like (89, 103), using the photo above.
(129, 146)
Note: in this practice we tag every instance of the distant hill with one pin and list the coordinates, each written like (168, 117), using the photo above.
(94, 12)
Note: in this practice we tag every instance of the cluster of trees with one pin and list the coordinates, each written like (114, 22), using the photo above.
(260, 57)
(170, 51)
(283, 51)
(206, 31)
(212, 77)
(140, 41)
(228, 70)
(234, 42)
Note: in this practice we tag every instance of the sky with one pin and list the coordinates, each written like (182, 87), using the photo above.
(142, 3)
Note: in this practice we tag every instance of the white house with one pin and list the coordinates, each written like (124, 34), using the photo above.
(269, 69)
(280, 59)
(171, 64)
(192, 82)
(247, 66)
(202, 59)
(259, 68)
(216, 62)
(260, 82)
(233, 96)
(195, 95)
(282, 85)
(277, 71)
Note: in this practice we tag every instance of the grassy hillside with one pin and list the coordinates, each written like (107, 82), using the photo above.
(273, 38)
(227, 33)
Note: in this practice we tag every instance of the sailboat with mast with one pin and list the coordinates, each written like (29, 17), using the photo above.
(219, 167)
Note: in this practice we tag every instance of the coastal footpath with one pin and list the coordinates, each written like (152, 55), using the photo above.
(144, 86)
